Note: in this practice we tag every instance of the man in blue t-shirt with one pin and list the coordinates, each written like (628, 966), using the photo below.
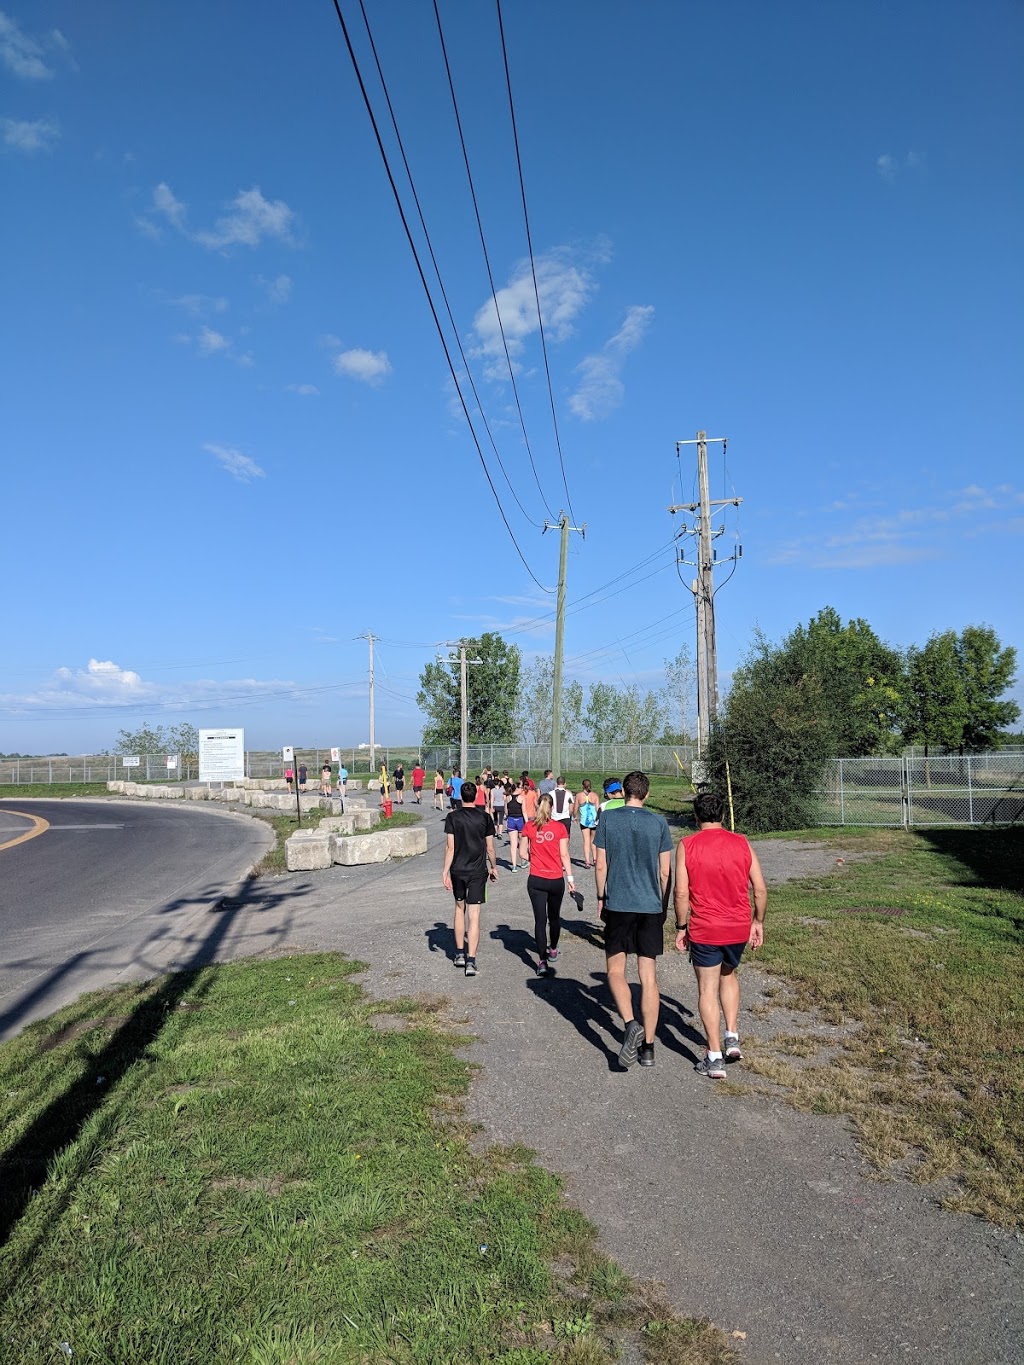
(634, 872)
(455, 789)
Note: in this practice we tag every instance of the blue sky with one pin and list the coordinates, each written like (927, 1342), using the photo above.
(231, 439)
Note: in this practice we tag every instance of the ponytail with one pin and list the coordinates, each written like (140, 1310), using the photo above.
(543, 811)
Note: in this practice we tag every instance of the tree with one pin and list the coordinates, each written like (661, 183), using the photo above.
(536, 700)
(988, 671)
(183, 740)
(936, 703)
(772, 740)
(492, 692)
(624, 715)
(149, 739)
(680, 696)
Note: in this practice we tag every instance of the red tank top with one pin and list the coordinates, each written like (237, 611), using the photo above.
(718, 866)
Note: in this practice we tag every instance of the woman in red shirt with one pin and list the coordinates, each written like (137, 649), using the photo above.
(547, 847)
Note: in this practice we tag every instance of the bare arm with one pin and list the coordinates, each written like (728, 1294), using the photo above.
(665, 873)
(760, 890)
(492, 859)
(601, 873)
(563, 848)
(449, 854)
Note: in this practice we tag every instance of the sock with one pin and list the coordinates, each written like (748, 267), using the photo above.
(714, 1056)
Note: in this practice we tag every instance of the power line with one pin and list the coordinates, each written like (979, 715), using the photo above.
(487, 259)
(426, 289)
(529, 246)
(437, 268)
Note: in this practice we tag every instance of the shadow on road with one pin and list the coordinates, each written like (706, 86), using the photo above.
(25, 1164)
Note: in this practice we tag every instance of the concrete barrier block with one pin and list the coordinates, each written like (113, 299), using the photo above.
(308, 850)
(196, 794)
(172, 793)
(355, 803)
(353, 851)
(354, 784)
(406, 842)
(338, 824)
(366, 819)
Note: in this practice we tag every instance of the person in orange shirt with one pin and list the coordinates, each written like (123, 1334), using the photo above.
(717, 872)
(417, 783)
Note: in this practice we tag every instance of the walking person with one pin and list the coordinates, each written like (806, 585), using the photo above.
(586, 815)
(342, 781)
(469, 860)
(515, 821)
(326, 773)
(563, 803)
(717, 876)
(454, 788)
(498, 807)
(439, 789)
(547, 783)
(303, 774)
(289, 778)
(398, 777)
(417, 783)
(547, 847)
(634, 873)
(613, 798)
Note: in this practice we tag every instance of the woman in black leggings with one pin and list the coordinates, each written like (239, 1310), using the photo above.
(547, 843)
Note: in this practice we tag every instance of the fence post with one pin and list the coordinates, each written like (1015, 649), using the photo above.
(842, 796)
(970, 792)
(49, 764)
(905, 791)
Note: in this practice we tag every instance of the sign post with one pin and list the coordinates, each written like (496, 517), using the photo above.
(288, 756)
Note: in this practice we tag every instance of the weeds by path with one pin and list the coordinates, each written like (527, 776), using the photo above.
(249, 1163)
(912, 961)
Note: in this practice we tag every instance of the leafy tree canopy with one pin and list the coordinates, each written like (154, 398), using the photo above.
(492, 692)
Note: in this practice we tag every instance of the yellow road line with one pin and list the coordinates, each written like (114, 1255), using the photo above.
(39, 826)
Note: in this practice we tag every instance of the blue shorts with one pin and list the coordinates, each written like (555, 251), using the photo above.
(716, 955)
(515, 822)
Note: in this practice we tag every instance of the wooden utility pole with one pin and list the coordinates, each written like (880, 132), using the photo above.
(464, 663)
(703, 586)
(563, 526)
(369, 637)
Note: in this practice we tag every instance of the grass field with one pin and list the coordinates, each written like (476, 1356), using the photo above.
(52, 790)
(283, 826)
(250, 1164)
(910, 963)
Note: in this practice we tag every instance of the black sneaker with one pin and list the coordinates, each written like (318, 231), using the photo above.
(646, 1054)
(471, 966)
(631, 1041)
(460, 957)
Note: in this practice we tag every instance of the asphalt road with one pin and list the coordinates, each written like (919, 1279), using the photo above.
(109, 891)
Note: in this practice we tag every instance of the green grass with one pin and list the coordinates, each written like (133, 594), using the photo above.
(236, 1165)
(917, 953)
(54, 790)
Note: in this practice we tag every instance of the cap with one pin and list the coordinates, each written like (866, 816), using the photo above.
(613, 787)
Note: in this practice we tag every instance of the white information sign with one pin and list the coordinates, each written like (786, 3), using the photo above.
(699, 773)
(221, 755)
(335, 755)
(131, 762)
(288, 754)
(172, 760)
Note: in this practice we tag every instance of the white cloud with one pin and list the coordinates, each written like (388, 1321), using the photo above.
(211, 342)
(250, 220)
(30, 135)
(564, 287)
(21, 54)
(278, 290)
(239, 466)
(197, 304)
(370, 367)
(600, 389)
(889, 166)
(306, 390)
(104, 685)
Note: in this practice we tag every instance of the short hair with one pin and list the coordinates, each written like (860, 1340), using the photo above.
(636, 785)
(708, 808)
(468, 792)
(559, 781)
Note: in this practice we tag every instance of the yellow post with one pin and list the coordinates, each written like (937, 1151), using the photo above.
(728, 786)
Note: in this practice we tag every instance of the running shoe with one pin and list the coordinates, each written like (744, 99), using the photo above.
(460, 958)
(542, 968)
(631, 1041)
(552, 954)
(713, 1070)
(732, 1047)
(471, 966)
(646, 1054)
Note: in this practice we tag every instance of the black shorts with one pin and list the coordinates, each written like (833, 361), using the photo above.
(400, 786)
(472, 890)
(717, 955)
(632, 933)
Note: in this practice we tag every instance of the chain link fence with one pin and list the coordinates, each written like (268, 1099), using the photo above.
(102, 768)
(947, 789)
(576, 758)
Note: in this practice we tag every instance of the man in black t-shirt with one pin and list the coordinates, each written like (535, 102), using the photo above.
(469, 860)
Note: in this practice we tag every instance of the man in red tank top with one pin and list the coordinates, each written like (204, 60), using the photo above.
(716, 871)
